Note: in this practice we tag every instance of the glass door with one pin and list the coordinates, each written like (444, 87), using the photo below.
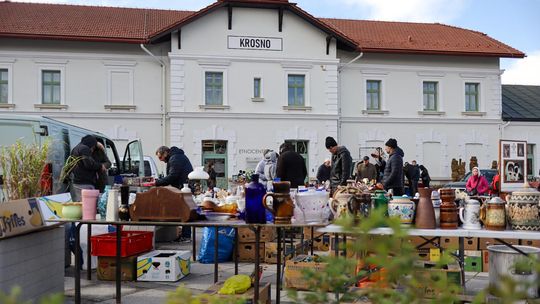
(214, 157)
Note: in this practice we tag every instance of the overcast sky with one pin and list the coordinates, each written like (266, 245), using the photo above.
(516, 23)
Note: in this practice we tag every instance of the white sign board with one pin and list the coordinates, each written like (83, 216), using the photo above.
(512, 164)
(255, 43)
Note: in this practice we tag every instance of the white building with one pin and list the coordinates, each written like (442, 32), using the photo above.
(236, 77)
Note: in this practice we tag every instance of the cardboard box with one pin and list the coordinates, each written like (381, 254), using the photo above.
(106, 269)
(264, 294)
(450, 274)
(246, 235)
(485, 261)
(419, 242)
(473, 260)
(434, 254)
(533, 243)
(163, 265)
(483, 243)
(423, 253)
(246, 252)
(288, 251)
(470, 243)
(449, 242)
(294, 274)
(19, 216)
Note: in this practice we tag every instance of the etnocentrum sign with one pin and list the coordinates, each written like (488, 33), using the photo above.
(255, 43)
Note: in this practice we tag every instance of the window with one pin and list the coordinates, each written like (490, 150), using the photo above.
(4, 86)
(430, 96)
(50, 86)
(373, 95)
(296, 86)
(213, 84)
(471, 97)
(257, 87)
(530, 161)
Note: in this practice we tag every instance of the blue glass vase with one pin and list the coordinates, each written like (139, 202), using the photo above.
(255, 211)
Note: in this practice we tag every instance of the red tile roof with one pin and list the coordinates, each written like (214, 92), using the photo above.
(428, 38)
(131, 25)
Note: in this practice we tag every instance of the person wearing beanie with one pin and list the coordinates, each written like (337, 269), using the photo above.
(85, 172)
(341, 163)
(393, 172)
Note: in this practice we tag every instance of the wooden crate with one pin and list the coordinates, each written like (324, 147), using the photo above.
(246, 252)
(246, 235)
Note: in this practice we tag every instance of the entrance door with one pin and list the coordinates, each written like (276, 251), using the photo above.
(215, 152)
(301, 147)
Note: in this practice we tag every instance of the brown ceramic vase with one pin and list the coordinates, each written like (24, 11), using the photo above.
(449, 214)
(425, 214)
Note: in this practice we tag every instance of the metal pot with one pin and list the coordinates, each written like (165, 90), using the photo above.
(502, 261)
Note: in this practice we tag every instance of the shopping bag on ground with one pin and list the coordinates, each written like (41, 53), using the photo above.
(225, 244)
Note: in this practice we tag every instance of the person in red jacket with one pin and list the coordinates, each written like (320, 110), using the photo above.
(496, 184)
(477, 184)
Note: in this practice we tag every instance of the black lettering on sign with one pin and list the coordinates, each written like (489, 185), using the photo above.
(256, 43)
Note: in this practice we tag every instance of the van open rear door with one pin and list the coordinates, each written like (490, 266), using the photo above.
(133, 162)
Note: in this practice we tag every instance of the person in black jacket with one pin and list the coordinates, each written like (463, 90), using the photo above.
(100, 155)
(323, 173)
(393, 172)
(341, 163)
(178, 166)
(85, 172)
(291, 166)
(424, 176)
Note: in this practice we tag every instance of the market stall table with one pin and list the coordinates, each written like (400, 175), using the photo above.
(232, 224)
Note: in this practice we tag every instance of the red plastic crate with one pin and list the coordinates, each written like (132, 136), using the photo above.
(133, 242)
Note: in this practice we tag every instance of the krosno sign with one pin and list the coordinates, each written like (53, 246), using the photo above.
(255, 43)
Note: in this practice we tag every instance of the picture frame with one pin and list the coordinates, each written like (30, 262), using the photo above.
(512, 164)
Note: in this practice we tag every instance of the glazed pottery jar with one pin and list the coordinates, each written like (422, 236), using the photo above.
(282, 203)
(470, 214)
(72, 211)
(380, 200)
(436, 201)
(402, 207)
(425, 214)
(311, 206)
(523, 209)
(339, 205)
(493, 214)
(449, 215)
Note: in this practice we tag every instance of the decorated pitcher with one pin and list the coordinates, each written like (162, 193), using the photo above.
(282, 203)
(493, 214)
(470, 214)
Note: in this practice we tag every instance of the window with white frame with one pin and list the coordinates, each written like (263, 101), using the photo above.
(257, 86)
(4, 86)
(213, 88)
(51, 87)
(120, 87)
(472, 100)
(373, 95)
(430, 92)
(296, 85)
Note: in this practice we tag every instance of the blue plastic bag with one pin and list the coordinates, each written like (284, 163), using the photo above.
(225, 244)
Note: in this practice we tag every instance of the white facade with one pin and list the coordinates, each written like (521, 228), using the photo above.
(120, 90)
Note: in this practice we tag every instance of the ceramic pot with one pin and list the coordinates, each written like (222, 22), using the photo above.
(402, 207)
(449, 215)
(89, 203)
(282, 203)
(436, 201)
(311, 206)
(493, 214)
(425, 214)
(470, 214)
(523, 209)
(380, 200)
(72, 211)
(339, 205)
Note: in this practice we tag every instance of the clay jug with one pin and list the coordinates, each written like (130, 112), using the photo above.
(449, 215)
(282, 203)
(493, 214)
(425, 214)
(470, 214)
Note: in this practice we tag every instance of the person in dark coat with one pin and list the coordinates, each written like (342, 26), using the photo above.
(412, 173)
(341, 163)
(393, 172)
(212, 179)
(291, 166)
(424, 175)
(178, 166)
(100, 156)
(323, 173)
(86, 170)
(380, 163)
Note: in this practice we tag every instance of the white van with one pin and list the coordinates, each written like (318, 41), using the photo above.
(63, 138)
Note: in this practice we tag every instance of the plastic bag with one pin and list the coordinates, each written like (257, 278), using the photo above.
(102, 202)
(236, 284)
(225, 244)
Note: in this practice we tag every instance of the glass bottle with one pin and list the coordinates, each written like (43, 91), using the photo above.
(255, 211)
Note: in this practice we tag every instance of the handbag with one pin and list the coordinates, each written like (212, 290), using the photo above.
(474, 191)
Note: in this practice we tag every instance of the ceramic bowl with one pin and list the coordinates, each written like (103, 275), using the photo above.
(217, 216)
(72, 211)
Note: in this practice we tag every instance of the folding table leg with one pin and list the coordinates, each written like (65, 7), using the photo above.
(78, 263)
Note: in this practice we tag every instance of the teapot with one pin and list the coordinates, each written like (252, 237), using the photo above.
(493, 214)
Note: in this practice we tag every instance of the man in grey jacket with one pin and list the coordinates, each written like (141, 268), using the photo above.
(341, 163)
(393, 172)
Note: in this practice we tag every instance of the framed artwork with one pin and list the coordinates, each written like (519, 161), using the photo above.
(512, 164)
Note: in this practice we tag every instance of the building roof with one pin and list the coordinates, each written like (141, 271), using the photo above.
(132, 25)
(520, 103)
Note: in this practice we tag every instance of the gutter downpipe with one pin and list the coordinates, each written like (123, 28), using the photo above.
(339, 92)
(502, 127)
(163, 94)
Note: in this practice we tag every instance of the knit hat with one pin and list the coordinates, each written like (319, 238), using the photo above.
(330, 142)
(89, 141)
(392, 143)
